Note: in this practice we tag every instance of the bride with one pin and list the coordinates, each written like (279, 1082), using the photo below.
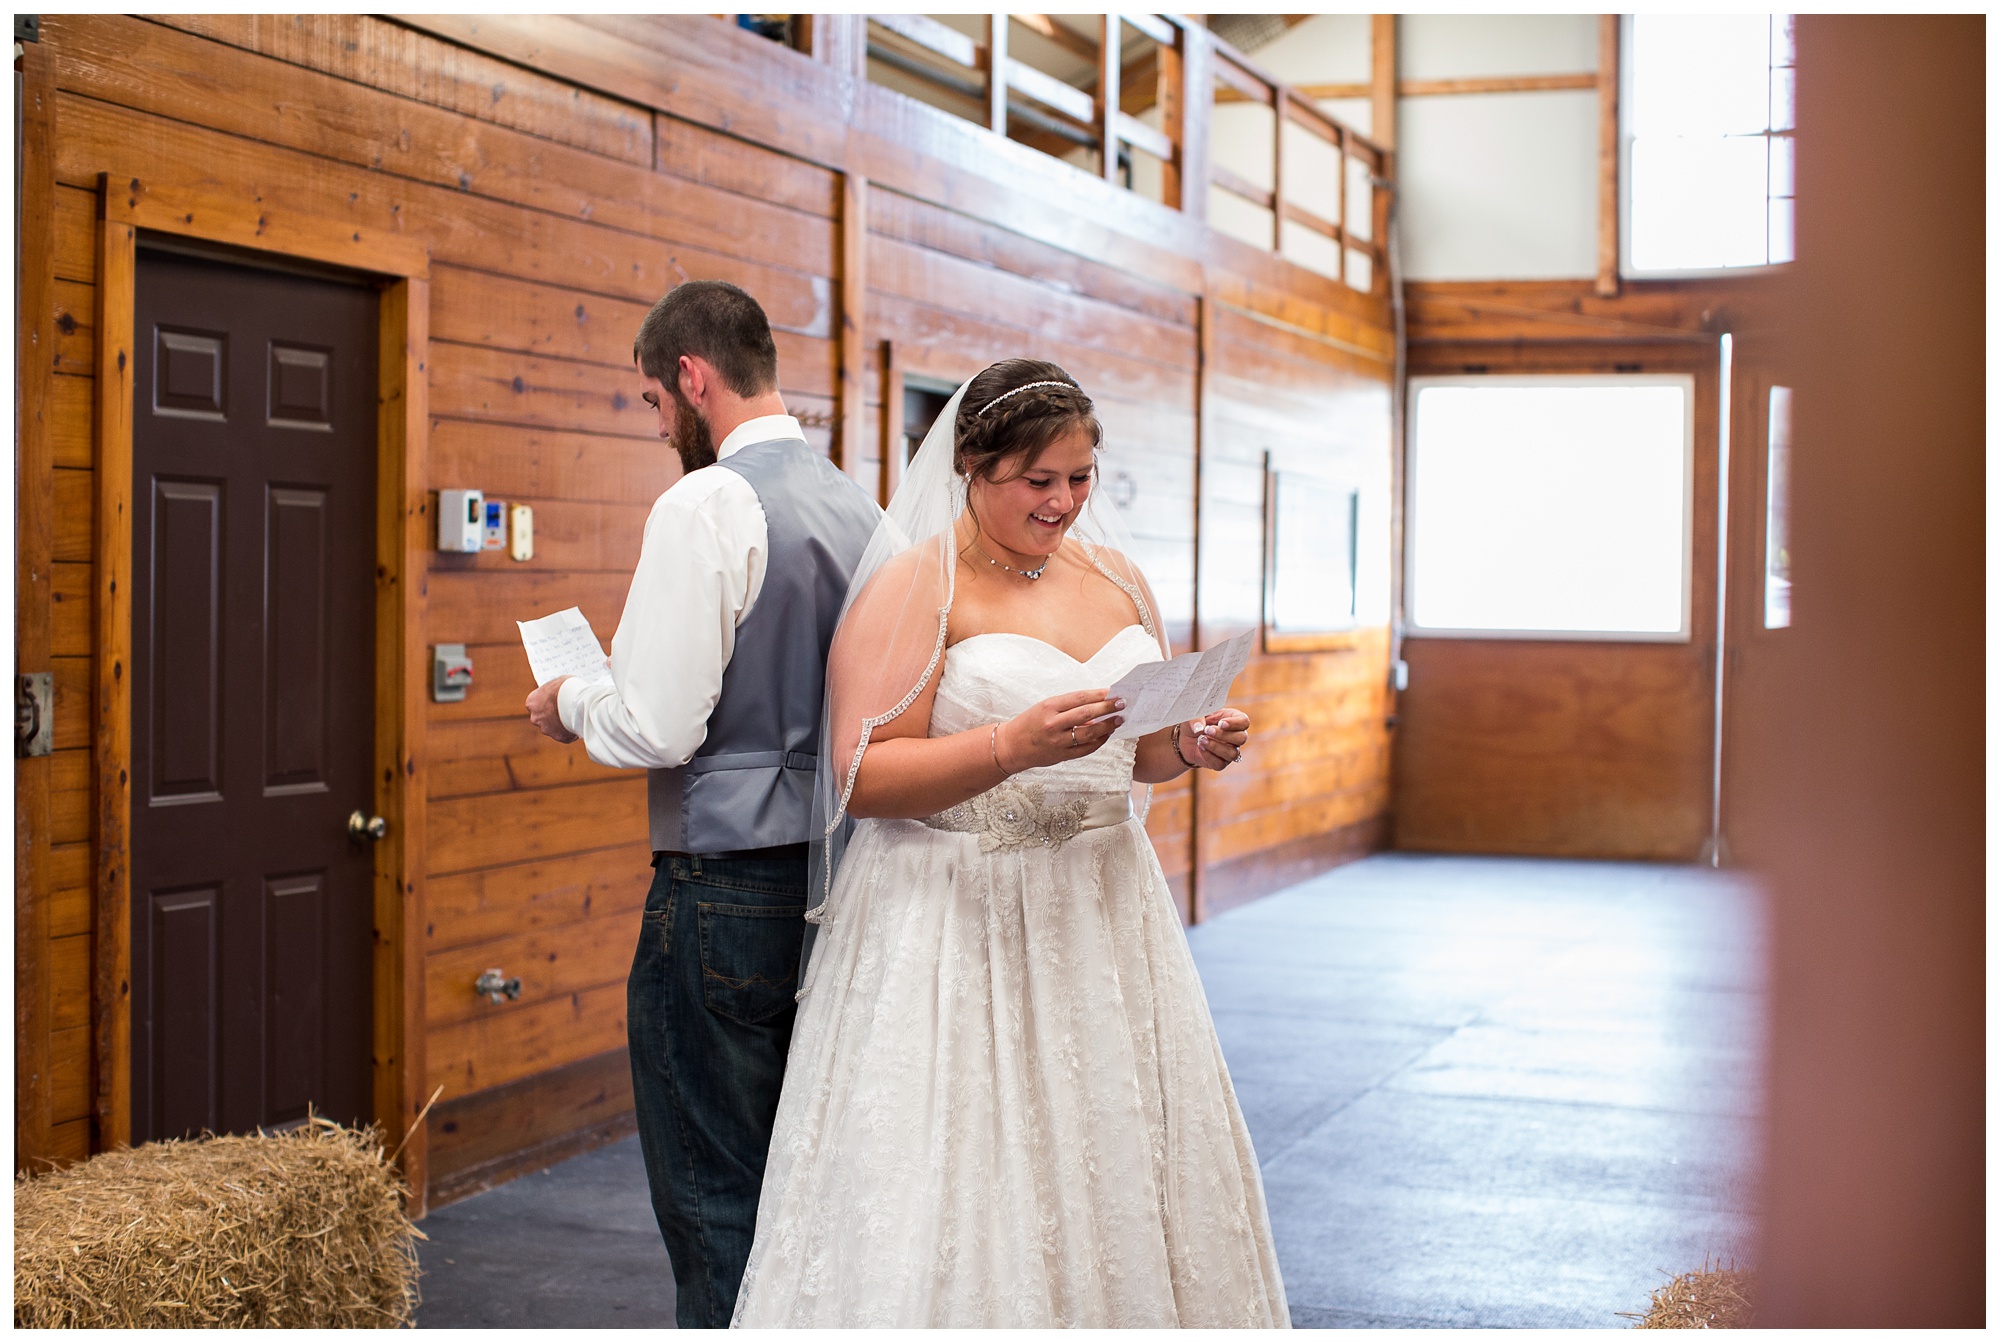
(1005, 1104)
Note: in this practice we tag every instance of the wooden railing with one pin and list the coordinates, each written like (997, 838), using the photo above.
(1179, 74)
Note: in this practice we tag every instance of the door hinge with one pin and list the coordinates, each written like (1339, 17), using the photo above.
(34, 714)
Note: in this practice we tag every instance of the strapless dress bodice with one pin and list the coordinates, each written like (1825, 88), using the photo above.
(990, 678)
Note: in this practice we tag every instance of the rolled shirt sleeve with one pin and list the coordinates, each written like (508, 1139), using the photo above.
(700, 568)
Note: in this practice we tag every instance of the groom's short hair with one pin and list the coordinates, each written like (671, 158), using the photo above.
(715, 321)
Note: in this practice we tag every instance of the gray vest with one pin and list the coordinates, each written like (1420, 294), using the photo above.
(750, 785)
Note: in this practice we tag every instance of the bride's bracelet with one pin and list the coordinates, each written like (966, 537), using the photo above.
(1177, 749)
(1005, 773)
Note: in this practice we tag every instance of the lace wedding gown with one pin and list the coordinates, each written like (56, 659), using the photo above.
(1005, 1104)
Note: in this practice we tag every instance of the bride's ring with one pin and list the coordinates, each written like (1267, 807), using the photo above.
(1074, 743)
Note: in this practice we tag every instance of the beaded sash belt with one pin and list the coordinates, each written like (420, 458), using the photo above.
(1016, 815)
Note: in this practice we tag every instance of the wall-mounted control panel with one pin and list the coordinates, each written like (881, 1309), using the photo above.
(451, 673)
(469, 522)
(494, 536)
(461, 520)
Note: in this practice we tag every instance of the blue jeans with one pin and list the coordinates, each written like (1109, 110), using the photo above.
(709, 1010)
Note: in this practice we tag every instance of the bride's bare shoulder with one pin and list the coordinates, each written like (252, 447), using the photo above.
(914, 571)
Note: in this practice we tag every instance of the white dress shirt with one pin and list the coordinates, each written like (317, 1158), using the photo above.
(700, 569)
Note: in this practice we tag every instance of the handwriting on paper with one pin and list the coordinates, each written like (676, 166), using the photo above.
(563, 645)
(1191, 686)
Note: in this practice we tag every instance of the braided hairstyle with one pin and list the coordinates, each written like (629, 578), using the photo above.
(991, 430)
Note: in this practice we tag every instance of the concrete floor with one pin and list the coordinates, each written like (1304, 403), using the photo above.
(1485, 1092)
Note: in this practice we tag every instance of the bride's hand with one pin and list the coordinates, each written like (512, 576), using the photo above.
(1057, 729)
(1215, 742)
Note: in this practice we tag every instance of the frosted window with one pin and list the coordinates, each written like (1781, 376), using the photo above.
(1708, 124)
(1777, 513)
(1550, 505)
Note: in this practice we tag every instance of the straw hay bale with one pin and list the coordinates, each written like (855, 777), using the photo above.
(299, 1229)
(1712, 1298)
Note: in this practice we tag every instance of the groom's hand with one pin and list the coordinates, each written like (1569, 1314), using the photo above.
(542, 711)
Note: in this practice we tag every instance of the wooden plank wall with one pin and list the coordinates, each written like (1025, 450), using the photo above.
(556, 203)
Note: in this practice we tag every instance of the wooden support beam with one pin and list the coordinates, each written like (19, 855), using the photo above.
(1153, 26)
(1607, 154)
(1051, 92)
(996, 73)
(1170, 84)
(1237, 185)
(34, 477)
(1382, 79)
(1197, 106)
(1280, 102)
(932, 36)
(1133, 131)
(111, 726)
(852, 412)
(1233, 73)
(1108, 112)
(840, 41)
(1435, 88)
(1198, 843)
(405, 534)
(892, 424)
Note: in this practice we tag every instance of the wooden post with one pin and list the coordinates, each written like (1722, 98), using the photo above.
(34, 476)
(1197, 84)
(1204, 320)
(111, 724)
(1170, 94)
(996, 73)
(1607, 155)
(404, 535)
(892, 424)
(1278, 110)
(839, 40)
(1108, 70)
(1340, 148)
(1382, 80)
(852, 412)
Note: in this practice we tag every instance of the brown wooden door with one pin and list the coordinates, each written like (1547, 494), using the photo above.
(1581, 749)
(253, 676)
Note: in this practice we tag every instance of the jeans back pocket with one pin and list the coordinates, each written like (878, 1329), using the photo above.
(750, 959)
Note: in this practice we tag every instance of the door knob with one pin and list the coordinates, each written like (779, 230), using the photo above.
(370, 828)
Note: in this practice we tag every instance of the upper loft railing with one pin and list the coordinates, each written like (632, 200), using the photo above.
(1143, 115)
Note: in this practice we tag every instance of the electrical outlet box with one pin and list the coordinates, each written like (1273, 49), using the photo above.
(451, 673)
(523, 538)
(461, 520)
(495, 537)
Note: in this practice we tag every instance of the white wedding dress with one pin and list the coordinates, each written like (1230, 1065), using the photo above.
(1005, 1104)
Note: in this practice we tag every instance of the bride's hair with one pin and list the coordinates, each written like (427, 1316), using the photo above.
(1003, 416)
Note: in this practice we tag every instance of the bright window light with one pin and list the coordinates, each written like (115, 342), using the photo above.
(1708, 130)
(1550, 506)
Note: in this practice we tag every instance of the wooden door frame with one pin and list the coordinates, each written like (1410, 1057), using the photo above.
(403, 537)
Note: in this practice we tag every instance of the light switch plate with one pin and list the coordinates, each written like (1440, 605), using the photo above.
(522, 545)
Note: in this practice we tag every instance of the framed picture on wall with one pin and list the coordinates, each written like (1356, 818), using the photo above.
(1309, 560)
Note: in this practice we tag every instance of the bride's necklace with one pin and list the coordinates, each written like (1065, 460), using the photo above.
(1029, 574)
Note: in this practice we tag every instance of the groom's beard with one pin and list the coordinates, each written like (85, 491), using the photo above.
(691, 438)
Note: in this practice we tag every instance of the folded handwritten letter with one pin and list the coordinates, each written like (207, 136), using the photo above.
(563, 645)
(1193, 685)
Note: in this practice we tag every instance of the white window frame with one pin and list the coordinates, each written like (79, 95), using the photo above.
(1413, 514)
(1626, 270)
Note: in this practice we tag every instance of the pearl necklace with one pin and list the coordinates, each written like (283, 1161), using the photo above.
(1029, 574)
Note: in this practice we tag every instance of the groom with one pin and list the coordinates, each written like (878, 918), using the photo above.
(718, 671)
